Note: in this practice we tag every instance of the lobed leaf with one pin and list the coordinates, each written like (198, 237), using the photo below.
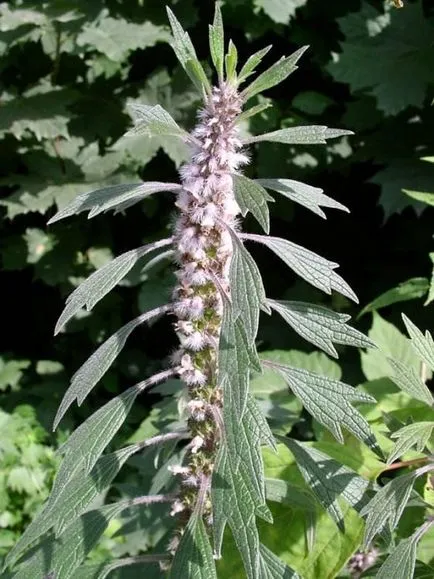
(411, 289)
(313, 268)
(247, 289)
(328, 480)
(97, 365)
(407, 379)
(417, 434)
(69, 499)
(252, 197)
(60, 557)
(320, 326)
(186, 54)
(271, 567)
(423, 345)
(387, 505)
(96, 286)
(194, 557)
(111, 197)
(277, 73)
(153, 121)
(310, 197)
(329, 402)
(251, 63)
(307, 135)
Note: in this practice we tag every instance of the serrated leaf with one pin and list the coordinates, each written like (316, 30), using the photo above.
(248, 294)
(328, 480)
(320, 326)
(277, 73)
(391, 344)
(97, 365)
(96, 286)
(154, 121)
(88, 441)
(310, 197)
(280, 10)
(251, 63)
(401, 562)
(115, 38)
(186, 53)
(238, 488)
(417, 434)
(313, 268)
(111, 197)
(70, 498)
(308, 135)
(61, 557)
(194, 557)
(409, 382)
(216, 41)
(329, 402)
(411, 289)
(422, 345)
(387, 505)
(271, 567)
(252, 197)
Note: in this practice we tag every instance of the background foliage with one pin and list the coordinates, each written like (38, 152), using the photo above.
(67, 72)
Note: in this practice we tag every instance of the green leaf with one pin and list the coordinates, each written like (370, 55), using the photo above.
(154, 121)
(387, 57)
(387, 505)
(251, 63)
(272, 567)
(308, 135)
(252, 197)
(252, 112)
(320, 326)
(194, 557)
(88, 441)
(430, 297)
(277, 73)
(417, 434)
(42, 111)
(248, 294)
(391, 344)
(61, 557)
(11, 372)
(401, 562)
(97, 365)
(310, 197)
(96, 286)
(427, 198)
(328, 480)
(409, 382)
(115, 38)
(112, 197)
(329, 402)
(313, 268)
(422, 345)
(217, 42)
(411, 289)
(281, 11)
(70, 498)
(186, 54)
(281, 491)
(231, 61)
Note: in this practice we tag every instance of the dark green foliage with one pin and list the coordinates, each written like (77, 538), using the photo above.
(68, 71)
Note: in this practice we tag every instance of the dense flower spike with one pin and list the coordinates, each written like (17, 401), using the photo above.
(203, 245)
(216, 301)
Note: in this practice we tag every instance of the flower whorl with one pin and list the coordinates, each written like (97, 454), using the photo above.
(203, 251)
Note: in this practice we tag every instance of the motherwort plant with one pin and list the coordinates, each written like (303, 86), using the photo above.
(219, 480)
